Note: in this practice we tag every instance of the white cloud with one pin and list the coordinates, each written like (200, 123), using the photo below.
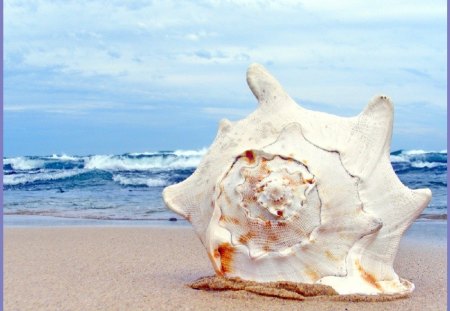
(199, 35)
(336, 52)
(379, 10)
(78, 108)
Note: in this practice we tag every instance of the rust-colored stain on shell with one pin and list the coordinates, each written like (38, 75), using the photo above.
(312, 274)
(368, 277)
(268, 224)
(272, 237)
(250, 156)
(310, 180)
(281, 224)
(243, 239)
(252, 180)
(331, 256)
(279, 202)
(266, 248)
(216, 253)
(229, 219)
(263, 169)
(249, 197)
(226, 252)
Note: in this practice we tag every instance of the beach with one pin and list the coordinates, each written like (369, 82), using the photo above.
(148, 268)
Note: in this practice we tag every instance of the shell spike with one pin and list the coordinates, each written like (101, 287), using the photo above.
(225, 125)
(423, 195)
(381, 109)
(371, 133)
(171, 200)
(267, 90)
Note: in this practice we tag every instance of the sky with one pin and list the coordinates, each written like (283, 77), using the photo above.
(109, 77)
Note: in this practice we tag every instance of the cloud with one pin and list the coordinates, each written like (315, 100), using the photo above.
(398, 10)
(61, 55)
(61, 109)
(229, 55)
(199, 35)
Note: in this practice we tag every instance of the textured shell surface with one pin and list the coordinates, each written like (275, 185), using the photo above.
(290, 194)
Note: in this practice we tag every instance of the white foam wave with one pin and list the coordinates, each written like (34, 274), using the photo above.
(179, 153)
(145, 153)
(180, 159)
(139, 181)
(415, 152)
(63, 157)
(398, 158)
(420, 151)
(421, 158)
(17, 179)
(121, 163)
(154, 182)
(191, 153)
(420, 164)
(22, 163)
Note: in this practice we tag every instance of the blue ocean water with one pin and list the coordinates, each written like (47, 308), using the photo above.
(129, 186)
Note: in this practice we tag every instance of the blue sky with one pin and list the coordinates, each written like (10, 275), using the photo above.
(128, 76)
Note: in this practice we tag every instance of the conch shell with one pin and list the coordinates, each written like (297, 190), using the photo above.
(289, 194)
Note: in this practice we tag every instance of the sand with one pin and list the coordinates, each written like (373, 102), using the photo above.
(132, 268)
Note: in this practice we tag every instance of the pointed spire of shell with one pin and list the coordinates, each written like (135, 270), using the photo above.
(267, 90)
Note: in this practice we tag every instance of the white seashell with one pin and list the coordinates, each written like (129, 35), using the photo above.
(289, 194)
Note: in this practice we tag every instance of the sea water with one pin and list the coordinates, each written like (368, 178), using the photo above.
(128, 187)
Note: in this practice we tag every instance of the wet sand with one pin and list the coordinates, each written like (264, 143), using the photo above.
(147, 268)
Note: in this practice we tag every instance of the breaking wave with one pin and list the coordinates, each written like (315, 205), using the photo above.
(140, 181)
(140, 168)
(129, 186)
(157, 169)
(26, 178)
(417, 159)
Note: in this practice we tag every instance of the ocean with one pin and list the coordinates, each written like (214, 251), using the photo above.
(128, 187)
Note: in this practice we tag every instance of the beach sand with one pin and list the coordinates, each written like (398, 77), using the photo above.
(147, 268)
